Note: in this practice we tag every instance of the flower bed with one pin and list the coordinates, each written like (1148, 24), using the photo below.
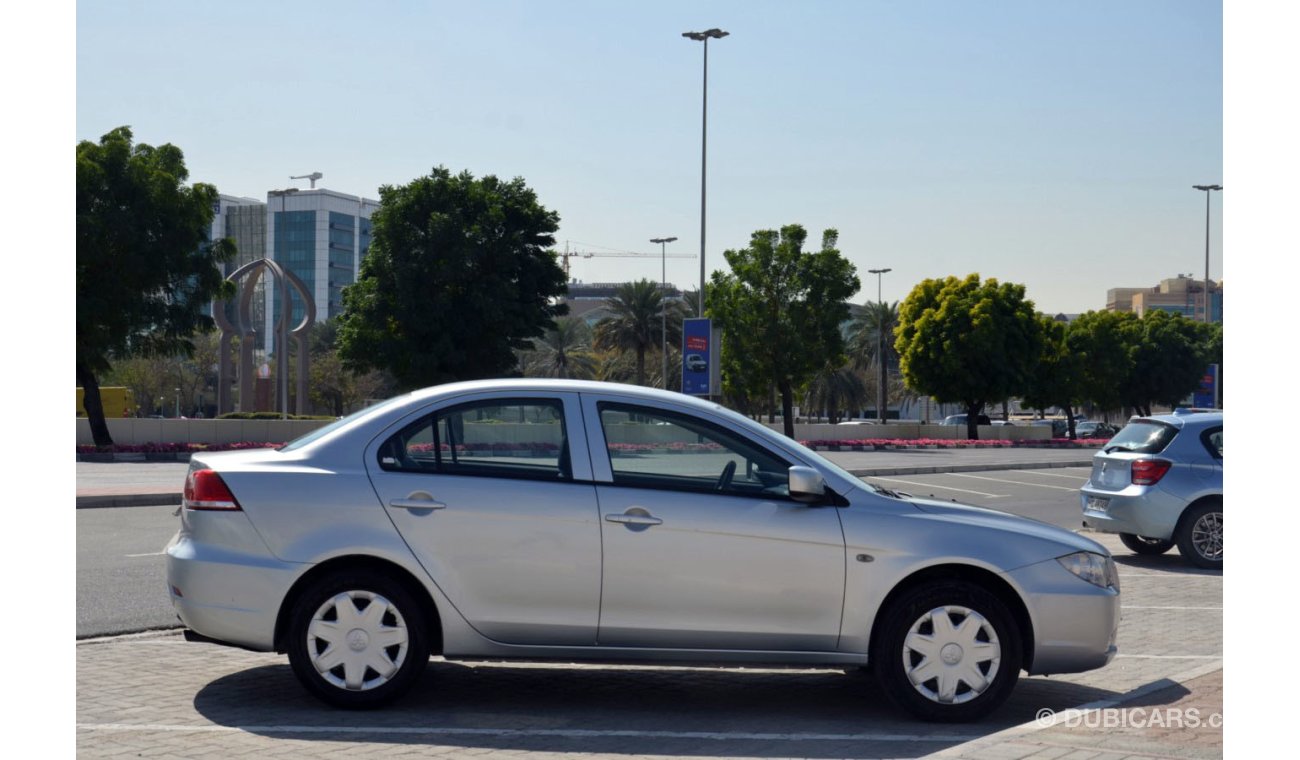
(884, 444)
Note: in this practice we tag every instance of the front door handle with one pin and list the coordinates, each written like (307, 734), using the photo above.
(634, 519)
(417, 500)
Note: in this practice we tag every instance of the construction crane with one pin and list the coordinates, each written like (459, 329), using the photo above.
(567, 254)
(313, 177)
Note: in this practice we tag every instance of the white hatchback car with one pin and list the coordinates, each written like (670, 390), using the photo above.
(566, 520)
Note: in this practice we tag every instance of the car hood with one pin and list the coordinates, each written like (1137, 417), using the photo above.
(992, 520)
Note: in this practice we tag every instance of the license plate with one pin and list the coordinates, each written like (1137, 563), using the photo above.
(1098, 503)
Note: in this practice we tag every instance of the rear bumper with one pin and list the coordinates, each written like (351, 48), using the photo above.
(228, 597)
(1076, 624)
(1140, 510)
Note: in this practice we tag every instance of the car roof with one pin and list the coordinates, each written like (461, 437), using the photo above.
(554, 385)
(1187, 419)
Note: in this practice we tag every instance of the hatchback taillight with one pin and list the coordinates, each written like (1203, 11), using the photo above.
(1148, 472)
(204, 489)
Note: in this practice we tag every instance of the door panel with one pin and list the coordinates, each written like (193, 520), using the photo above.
(509, 537)
(702, 546)
(720, 572)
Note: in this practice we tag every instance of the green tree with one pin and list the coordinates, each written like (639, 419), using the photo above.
(1057, 380)
(780, 309)
(459, 276)
(637, 321)
(1169, 359)
(146, 267)
(564, 351)
(967, 341)
(333, 387)
(1103, 343)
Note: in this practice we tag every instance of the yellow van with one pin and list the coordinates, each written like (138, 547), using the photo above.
(118, 401)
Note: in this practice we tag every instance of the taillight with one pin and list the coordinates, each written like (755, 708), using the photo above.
(204, 489)
(1148, 472)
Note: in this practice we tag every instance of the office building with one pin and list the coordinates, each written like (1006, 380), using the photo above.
(1183, 295)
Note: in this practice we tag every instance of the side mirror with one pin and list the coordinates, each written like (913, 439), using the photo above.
(807, 485)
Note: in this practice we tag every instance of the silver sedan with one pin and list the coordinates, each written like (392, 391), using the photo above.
(565, 520)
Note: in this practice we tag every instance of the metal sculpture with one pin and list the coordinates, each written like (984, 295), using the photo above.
(245, 279)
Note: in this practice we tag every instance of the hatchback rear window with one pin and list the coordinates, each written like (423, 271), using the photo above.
(1143, 437)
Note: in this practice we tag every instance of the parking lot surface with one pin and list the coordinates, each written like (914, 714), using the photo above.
(157, 695)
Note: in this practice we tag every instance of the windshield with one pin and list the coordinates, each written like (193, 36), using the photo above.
(321, 432)
(1143, 437)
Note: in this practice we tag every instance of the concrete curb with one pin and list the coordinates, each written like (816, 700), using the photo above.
(939, 469)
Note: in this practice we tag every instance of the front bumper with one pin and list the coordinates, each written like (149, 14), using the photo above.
(1076, 624)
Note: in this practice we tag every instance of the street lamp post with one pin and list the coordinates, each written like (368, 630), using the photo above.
(1207, 189)
(704, 37)
(882, 392)
(178, 403)
(286, 312)
(663, 308)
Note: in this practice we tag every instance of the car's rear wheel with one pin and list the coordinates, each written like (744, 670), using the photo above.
(1143, 545)
(1200, 535)
(948, 651)
(357, 639)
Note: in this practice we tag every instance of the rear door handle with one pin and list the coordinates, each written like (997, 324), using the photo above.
(417, 500)
(634, 519)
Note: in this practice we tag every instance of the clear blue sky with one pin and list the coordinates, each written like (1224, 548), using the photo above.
(1048, 143)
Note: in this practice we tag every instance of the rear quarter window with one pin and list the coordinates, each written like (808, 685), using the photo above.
(1143, 437)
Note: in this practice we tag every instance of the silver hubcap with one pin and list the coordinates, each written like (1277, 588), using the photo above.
(951, 654)
(357, 640)
(1207, 535)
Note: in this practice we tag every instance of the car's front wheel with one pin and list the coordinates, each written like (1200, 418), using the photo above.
(357, 639)
(1200, 535)
(948, 651)
(1143, 545)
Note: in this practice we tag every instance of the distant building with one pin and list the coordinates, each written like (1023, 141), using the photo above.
(1183, 295)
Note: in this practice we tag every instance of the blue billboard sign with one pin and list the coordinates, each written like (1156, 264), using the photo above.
(697, 356)
(1206, 396)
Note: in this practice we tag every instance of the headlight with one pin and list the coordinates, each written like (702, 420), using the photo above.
(1094, 568)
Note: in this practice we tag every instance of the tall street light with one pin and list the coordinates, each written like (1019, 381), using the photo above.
(663, 295)
(882, 392)
(1208, 189)
(704, 37)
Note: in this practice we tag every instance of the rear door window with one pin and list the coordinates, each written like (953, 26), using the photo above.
(1213, 440)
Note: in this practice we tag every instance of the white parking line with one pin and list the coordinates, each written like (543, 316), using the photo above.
(1053, 474)
(944, 488)
(1171, 656)
(150, 554)
(1012, 482)
(1133, 607)
(562, 733)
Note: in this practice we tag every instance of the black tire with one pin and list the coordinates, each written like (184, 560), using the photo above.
(1200, 534)
(401, 612)
(892, 661)
(1146, 546)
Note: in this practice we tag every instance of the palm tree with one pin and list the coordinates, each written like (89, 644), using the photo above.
(638, 313)
(835, 389)
(872, 330)
(564, 352)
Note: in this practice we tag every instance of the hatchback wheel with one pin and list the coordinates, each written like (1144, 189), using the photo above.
(1144, 545)
(1200, 535)
(357, 639)
(948, 651)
